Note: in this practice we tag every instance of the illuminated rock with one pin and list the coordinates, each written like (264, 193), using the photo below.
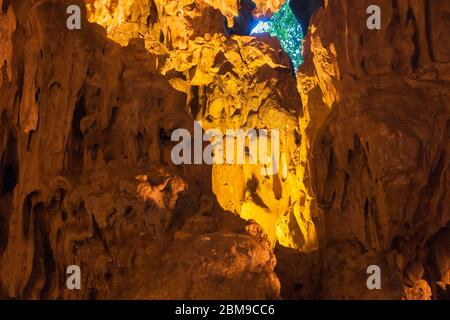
(87, 178)
(86, 175)
(376, 128)
(232, 80)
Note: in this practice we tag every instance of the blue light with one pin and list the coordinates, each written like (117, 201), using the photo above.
(261, 27)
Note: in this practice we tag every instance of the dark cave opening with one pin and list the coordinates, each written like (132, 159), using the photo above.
(10, 174)
(9, 179)
(244, 22)
(303, 11)
(76, 148)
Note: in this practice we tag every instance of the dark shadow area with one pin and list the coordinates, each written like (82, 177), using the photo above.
(244, 22)
(299, 273)
(303, 11)
(76, 150)
(435, 263)
(5, 5)
(10, 172)
(9, 176)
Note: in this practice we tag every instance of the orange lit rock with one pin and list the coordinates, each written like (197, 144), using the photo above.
(232, 81)
(86, 175)
(171, 23)
(87, 178)
(377, 137)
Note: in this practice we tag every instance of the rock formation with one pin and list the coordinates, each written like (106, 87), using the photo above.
(87, 179)
(377, 128)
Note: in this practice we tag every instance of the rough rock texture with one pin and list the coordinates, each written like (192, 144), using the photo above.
(377, 125)
(86, 175)
(173, 23)
(230, 85)
(170, 23)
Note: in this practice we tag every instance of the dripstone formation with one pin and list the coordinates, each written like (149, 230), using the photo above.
(87, 176)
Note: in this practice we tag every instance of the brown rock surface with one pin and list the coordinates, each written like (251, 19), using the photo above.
(86, 175)
(377, 124)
